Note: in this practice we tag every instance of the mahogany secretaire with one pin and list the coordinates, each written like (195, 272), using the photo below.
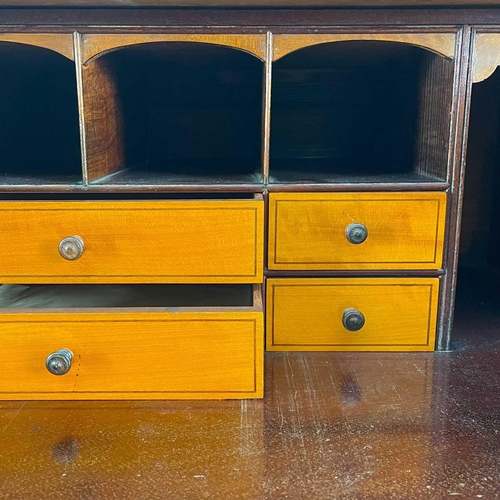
(176, 176)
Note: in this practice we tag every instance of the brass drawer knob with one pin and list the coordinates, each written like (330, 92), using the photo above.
(353, 320)
(356, 233)
(71, 248)
(59, 362)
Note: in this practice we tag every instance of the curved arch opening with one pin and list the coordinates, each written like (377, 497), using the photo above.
(361, 109)
(179, 111)
(39, 132)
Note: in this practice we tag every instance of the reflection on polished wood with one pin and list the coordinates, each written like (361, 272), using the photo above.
(332, 425)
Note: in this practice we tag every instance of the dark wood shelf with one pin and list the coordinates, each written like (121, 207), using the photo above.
(31, 181)
(204, 175)
(321, 180)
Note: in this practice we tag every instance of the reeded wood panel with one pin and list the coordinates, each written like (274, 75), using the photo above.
(307, 314)
(134, 355)
(58, 42)
(308, 230)
(435, 92)
(133, 242)
(442, 43)
(94, 45)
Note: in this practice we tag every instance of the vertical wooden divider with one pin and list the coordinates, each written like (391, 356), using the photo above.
(103, 118)
(460, 124)
(77, 50)
(266, 125)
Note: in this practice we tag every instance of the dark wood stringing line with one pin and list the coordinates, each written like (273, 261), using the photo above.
(256, 347)
(340, 201)
(274, 286)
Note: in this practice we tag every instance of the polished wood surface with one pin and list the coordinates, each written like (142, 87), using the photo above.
(167, 355)
(248, 3)
(442, 43)
(332, 425)
(308, 230)
(134, 242)
(96, 45)
(306, 314)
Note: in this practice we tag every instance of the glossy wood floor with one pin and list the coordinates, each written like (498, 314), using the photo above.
(332, 425)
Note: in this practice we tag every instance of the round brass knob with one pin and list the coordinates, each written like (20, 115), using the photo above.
(356, 233)
(352, 319)
(59, 362)
(71, 248)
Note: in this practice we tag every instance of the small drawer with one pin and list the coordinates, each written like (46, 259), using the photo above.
(87, 342)
(351, 314)
(205, 241)
(321, 231)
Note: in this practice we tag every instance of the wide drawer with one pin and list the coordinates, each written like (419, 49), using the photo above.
(351, 314)
(356, 230)
(205, 241)
(162, 352)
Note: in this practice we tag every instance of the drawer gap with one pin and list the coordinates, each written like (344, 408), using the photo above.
(52, 298)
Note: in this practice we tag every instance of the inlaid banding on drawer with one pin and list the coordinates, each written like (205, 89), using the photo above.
(363, 314)
(321, 231)
(210, 348)
(132, 242)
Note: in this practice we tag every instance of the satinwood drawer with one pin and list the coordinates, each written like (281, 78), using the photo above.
(203, 241)
(174, 352)
(351, 314)
(321, 231)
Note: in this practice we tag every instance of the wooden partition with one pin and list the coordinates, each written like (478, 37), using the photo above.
(361, 108)
(173, 109)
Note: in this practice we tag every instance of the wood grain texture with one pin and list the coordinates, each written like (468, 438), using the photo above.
(173, 113)
(247, 3)
(58, 42)
(133, 242)
(103, 119)
(306, 314)
(307, 230)
(229, 20)
(96, 45)
(134, 356)
(441, 43)
(486, 57)
(435, 89)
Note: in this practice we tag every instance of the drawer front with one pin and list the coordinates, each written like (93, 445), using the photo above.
(352, 314)
(356, 231)
(133, 355)
(132, 242)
